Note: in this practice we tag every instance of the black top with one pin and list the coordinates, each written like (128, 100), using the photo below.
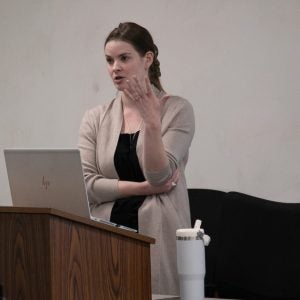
(125, 210)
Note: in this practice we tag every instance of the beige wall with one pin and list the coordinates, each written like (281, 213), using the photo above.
(236, 61)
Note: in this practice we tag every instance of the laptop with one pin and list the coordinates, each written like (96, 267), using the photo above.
(49, 178)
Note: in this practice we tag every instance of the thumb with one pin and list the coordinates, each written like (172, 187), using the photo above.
(176, 175)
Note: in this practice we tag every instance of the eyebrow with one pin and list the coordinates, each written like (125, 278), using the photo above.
(125, 53)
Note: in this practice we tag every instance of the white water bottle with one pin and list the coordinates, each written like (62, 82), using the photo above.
(191, 261)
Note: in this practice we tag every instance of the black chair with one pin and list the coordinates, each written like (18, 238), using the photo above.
(258, 251)
(205, 204)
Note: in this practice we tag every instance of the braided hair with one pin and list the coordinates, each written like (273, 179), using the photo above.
(142, 41)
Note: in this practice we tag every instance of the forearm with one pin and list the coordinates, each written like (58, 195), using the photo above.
(131, 188)
(154, 155)
(100, 189)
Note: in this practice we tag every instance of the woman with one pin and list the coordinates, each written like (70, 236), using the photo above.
(135, 148)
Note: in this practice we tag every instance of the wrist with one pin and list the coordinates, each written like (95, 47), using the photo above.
(152, 125)
(133, 188)
(152, 119)
(142, 188)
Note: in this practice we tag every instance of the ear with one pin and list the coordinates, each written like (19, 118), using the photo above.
(149, 56)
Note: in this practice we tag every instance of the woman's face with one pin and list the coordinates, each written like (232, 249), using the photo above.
(124, 62)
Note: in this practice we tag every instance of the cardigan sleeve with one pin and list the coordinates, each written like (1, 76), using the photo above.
(178, 127)
(99, 188)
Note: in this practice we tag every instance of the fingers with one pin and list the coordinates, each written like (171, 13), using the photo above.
(137, 89)
(132, 92)
(166, 187)
(175, 178)
(148, 85)
(138, 86)
(128, 94)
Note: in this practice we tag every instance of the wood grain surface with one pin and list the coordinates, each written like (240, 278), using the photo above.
(45, 256)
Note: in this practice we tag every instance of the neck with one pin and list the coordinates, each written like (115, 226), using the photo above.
(132, 120)
(126, 102)
(128, 105)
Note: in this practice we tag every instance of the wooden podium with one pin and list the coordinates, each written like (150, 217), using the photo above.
(48, 254)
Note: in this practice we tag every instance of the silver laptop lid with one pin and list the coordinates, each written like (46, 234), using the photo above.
(51, 178)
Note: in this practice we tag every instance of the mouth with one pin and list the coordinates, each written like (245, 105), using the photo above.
(118, 79)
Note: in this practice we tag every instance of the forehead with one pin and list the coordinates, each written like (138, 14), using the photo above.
(116, 47)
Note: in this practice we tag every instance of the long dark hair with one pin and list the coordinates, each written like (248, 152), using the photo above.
(142, 41)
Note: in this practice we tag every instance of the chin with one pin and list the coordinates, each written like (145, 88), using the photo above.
(120, 87)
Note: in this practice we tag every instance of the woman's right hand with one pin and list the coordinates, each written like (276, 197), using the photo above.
(148, 189)
(133, 188)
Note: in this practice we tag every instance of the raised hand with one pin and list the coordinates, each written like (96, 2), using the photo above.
(141, 94)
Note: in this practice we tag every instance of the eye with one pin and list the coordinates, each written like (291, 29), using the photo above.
(124, 57)
(109, 60)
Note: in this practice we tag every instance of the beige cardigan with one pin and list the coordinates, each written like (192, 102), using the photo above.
(160, 215)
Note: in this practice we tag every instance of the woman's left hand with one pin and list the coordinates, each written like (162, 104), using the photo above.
(142, 95)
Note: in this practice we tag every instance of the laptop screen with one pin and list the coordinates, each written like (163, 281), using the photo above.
(50, 178)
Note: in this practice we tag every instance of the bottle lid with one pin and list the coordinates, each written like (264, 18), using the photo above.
(196, 233)
(189, 234)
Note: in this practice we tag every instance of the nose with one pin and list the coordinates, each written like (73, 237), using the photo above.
(116, 66)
